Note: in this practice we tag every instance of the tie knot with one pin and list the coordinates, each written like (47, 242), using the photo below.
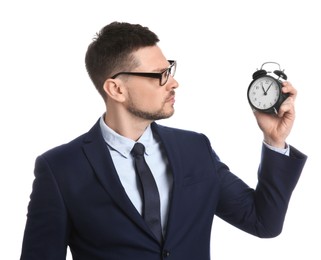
(138, 149)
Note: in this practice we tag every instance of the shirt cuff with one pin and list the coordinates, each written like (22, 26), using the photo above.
(285, 151)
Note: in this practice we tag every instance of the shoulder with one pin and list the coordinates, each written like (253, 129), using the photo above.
(181, 137)
(75, 145)
(178, 132)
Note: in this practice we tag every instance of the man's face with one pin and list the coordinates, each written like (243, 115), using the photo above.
(146, 99)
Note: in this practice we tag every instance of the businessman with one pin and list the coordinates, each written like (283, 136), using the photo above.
(131, 188)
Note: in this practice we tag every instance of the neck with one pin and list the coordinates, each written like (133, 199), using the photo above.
(126, 125)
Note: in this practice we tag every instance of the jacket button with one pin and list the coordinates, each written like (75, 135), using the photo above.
(166, 253)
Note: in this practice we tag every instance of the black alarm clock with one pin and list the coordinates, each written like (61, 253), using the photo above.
(265, 91)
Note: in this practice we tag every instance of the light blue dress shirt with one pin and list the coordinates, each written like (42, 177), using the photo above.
(285, 151)
(120, 147)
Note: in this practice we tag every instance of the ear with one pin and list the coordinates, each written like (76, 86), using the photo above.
(114, 89)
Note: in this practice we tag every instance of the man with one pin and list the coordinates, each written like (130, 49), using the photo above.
(87, 195)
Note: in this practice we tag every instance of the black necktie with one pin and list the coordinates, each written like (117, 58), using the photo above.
(151, 201)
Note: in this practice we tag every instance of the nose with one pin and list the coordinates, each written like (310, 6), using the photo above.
(172, 83)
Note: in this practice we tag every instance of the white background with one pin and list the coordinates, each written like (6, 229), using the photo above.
(47, 98)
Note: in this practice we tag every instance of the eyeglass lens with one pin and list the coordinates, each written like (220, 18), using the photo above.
(170, 71)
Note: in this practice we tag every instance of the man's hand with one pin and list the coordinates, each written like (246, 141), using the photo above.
(277, 127)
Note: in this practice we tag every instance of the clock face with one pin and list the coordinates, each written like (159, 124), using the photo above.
(264, 93)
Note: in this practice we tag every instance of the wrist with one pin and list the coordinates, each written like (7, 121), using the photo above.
(276, 144)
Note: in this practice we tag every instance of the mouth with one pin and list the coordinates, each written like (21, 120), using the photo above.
(171, 98)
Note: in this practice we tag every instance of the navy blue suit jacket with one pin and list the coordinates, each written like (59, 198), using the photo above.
(78, 200)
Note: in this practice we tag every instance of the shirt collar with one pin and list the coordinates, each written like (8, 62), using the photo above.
(124, 145)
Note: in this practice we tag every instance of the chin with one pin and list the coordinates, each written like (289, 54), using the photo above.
(168, 115)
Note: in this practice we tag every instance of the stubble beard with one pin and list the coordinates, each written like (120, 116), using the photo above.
(157, 115)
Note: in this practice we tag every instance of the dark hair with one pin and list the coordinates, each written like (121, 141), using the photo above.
(111, 50)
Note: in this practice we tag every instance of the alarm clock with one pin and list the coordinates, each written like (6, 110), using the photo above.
(265, 91)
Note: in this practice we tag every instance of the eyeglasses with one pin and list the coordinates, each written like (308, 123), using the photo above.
(162, 76)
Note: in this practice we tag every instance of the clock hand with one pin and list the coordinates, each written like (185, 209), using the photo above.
(263, 88)
(269, 87)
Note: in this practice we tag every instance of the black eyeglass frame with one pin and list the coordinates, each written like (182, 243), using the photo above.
(156, 75)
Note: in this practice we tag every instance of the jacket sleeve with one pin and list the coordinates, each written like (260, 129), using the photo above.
(46, 232)
(261, 211)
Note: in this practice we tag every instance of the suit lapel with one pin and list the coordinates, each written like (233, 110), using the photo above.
(99, 157)
(169, 142)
